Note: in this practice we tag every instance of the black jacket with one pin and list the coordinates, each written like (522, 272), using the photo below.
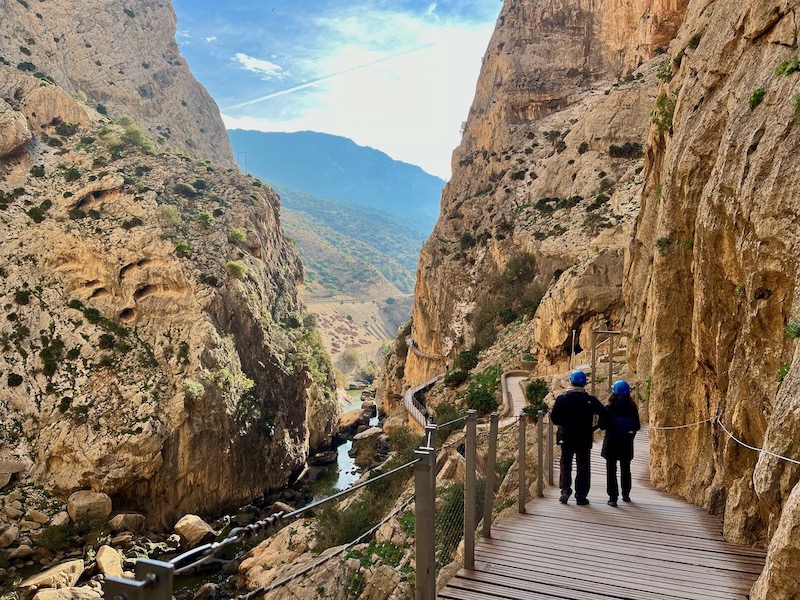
(622, 423)
(574, 413)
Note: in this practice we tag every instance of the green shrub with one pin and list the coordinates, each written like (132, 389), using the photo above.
(792, 330)
(193, 389)
(72, 174)
(206, 219)
(100, 108)
(209, 279)
(55, 537)
(37, 171)
(168, 215)
(66, 129)
(200, 184)
(132, 138)
(783, 372)
(466, 360)
(22, 297)
(445, 412)
(184, 189)
(26, 66)
(467, 240)
(14, 380)
(535, 392)
(662, 245)
(788, 67)
(455, 378)
(756, 98)
(106, 341)
(665, 111)
(630, 150)
(236, 269)
(664, 72)
(131, 223)
(694, 41)
(183, 249)
(236, 235)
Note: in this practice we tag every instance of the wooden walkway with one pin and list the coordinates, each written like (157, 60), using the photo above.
(658, 547)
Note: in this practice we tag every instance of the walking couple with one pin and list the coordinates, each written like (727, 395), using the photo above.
(574, 413)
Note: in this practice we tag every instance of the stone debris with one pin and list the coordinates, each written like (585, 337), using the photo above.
(133, 522)
(193, 531)
(64, 575)
(87, 507)
(109, 561)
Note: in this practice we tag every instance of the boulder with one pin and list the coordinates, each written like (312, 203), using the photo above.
(323, 458)
(14, 133)
(193, 531)
(87, 507)
(70, 593)
(366, 446)
(350, 421)
(279, 507)
(64, 575)
(12, 512)
(207, 591)
(38, 516)
(127, 522)
(60, 520)
(370, 408)
(247, 514)
(20, 552)
(109, 561)
(9, 536)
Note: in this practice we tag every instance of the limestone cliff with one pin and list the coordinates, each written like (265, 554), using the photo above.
(665, 203)
(153, 346)
(713, 274)
(121, 58)
(548, 171)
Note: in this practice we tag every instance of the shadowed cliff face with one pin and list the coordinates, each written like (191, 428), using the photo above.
(713, 275)
(121, 57)
(154, 346)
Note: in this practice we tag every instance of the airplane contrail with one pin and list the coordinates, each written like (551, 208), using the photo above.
(326, 77)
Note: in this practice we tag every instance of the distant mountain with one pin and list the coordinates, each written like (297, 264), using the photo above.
(349, 249)
(335, 167)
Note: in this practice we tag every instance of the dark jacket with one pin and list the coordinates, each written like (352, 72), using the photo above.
(574, 413)
(622, 423)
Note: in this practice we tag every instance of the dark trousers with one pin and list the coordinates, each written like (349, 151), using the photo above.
(611, 478)
(583, 476)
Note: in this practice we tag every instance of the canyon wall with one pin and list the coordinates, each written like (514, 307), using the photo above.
(153, 344)
(122, 59)
(713, 275)
(641, 158)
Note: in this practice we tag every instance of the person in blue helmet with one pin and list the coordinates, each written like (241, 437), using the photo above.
(622, 423)
(574, 412)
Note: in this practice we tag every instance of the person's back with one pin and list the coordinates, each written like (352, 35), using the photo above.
(574, 413)
(622, 422)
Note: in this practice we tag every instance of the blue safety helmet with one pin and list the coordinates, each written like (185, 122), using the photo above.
(621, 388)
(577, 378)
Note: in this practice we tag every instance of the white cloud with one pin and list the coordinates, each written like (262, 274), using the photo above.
(398, 82)
(264, 67)
(211, 38)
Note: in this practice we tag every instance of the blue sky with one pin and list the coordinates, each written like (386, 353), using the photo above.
(397, 75)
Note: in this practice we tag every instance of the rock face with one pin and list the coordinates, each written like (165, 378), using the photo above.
(664, 204)
(713, 275)
(148, 353)
(549, 165)
(120, 57)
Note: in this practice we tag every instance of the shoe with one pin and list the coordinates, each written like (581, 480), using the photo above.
(612, 503)
(583, 502)
(563, 498)
(626, 498)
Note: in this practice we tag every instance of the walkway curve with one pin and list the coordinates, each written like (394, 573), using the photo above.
(658, 547)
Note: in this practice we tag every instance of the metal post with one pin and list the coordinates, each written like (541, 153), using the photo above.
(610, 361)
(550, 443)
(540, 455)
(424, 513)
(432, 430)
(523, 418)
(572, 355)
(154, 580)
(594, 359)
(491, 466)
(470, 492)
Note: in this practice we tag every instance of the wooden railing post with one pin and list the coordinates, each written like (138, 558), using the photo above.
(470, 491)
(540, 454)
(491, 466)
(610, 361)
(594, 359)
(424, 520)
(521, 463)
(550, 447)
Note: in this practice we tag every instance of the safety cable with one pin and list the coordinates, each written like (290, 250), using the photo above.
(667, 428)
(741, 443)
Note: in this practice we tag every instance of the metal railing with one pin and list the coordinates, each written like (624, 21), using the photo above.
(414, 408)
(437, 535)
